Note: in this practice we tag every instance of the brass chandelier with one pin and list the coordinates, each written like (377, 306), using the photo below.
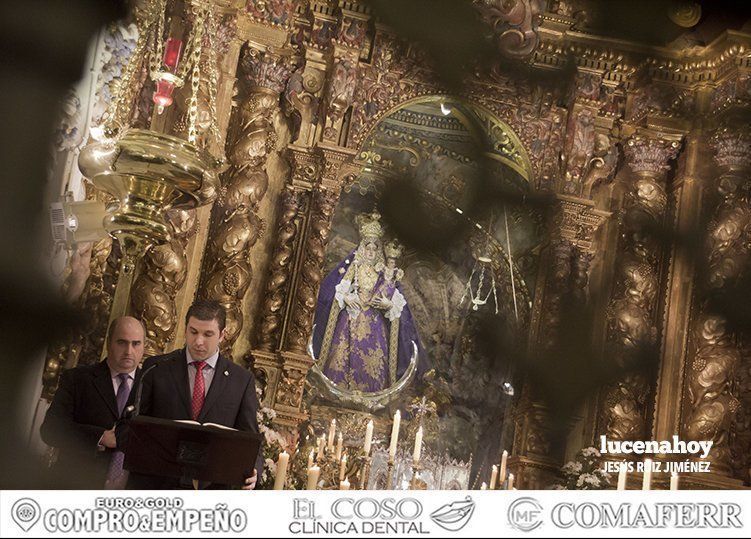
(150, 172)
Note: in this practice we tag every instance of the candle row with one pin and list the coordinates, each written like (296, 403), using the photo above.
(646, 479)
(324, 444)
(509, 485)
(497, 478)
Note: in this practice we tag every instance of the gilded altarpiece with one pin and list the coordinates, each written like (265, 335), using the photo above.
(601, 151)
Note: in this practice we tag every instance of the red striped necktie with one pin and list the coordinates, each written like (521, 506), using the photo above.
(199, 390)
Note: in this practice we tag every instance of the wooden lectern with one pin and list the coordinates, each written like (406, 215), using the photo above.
(189, 451)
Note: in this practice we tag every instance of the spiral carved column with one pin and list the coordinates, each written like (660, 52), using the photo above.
(295, 275)
(323, 203)
(711, 397)
(632, 326)
(280, 270)
(235, 225)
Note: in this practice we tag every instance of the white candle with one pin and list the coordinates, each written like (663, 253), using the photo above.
(484, 486)
(344, 485)
(394, 435)
(647, 482)
(493, 477)
(281, 470)
(510, 482)
(343, 467)
(339, 444)
(313, 474)
(368, 437)
(502, 474)
(674, 481)
(332, 432)
(418, 446)
(622, 476)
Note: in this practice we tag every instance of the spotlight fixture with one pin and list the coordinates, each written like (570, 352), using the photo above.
(75, 222)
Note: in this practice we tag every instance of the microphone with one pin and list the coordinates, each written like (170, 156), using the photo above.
(135, 409)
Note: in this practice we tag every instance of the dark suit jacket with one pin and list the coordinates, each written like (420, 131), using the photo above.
(230, 401)
(83, 408)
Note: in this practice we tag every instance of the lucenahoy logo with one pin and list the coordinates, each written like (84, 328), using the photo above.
(454, 516)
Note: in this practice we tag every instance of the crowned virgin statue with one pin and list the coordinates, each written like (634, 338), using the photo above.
(364, 328)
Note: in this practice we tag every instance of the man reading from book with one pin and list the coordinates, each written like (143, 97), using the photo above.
(196, 383)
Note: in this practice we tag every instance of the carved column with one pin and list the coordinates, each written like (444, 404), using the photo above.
(320, 94)
(280, 269)
(281, 370)
(295, 275)
(235, 224)
(632, 325)
(535, 460)
(323, 203)
(685, 198)
(711, 399)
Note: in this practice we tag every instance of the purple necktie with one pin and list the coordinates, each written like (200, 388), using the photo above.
(116, 476)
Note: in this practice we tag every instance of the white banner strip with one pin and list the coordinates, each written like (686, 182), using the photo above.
(374, 513)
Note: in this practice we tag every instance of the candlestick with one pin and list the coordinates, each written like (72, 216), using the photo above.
(493, 477)
(344, 485)
(418, 446)
(390, 474)
(510, 485)
(321, 449)
(647, 481)
(343, 467)
(394, 435)
(310, 459)
(332, 432)
(502, 474)
(674, 481)
(484, 486)
(313, 474)
(366, 462)
(339, 444)
(368, 437)
(622, 476)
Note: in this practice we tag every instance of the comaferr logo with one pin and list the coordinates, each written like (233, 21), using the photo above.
(658, 515)
(525, 514)
(454, 516)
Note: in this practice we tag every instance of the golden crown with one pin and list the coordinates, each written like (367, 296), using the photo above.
(393, 249)
(370, 225)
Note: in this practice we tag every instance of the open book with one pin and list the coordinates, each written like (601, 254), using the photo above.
(191, 422)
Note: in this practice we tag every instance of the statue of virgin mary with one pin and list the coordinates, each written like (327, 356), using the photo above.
(363, 325)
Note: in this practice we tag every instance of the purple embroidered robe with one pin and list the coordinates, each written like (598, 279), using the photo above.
(364, 349)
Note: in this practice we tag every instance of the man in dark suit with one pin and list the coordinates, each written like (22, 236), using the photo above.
(197, 383)
(89, 400)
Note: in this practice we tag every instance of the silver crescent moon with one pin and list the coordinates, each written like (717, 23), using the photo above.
(370, 402)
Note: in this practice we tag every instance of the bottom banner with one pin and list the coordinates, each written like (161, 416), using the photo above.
(374, 513)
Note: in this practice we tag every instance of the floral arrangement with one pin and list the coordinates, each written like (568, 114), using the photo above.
(584, 472)
(274, 443)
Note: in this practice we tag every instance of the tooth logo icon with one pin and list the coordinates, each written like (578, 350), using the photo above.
(454, 516)
(25, 513)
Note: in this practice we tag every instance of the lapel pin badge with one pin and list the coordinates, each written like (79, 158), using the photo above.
(226, 373)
